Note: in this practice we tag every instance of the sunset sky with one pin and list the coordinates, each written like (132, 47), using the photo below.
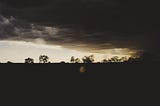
(65, 28)
(18, 51)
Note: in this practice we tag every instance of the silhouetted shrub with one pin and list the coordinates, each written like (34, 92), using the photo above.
(63, 62)
(43, 59)
(88, 59)
(75, 60)
(9, 62)
(29, 60)
(72, 59)
(115, 59)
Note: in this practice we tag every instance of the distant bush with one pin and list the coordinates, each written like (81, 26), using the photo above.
(43, 59)
(29, 60)
(88, 59)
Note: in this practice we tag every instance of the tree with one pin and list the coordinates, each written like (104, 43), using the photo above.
(72, 59)
(77, 60)
(43, 59)
(104, 61)
(123, 59)
(29, 60)
(115, 59)
(88, 59)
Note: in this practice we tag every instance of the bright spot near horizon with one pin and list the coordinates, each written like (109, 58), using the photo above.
(18, 51)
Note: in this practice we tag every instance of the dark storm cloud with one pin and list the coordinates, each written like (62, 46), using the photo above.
(98, 23)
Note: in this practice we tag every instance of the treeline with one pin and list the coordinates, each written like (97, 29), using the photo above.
(90, 59)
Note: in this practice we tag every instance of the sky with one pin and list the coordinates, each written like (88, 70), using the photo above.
(98, 27)
(18, 51)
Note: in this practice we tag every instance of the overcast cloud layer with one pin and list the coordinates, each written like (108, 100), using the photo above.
(99, 24)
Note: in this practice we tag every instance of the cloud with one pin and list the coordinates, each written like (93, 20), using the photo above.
(7, 29)
(94, 24)
(13, 29)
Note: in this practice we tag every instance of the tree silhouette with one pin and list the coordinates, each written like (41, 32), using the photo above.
(115, 59)
(104, 61)
(29, 60)
(88, 59)
(123, 59)
(72, 59)
(43, 59)
(75, 60)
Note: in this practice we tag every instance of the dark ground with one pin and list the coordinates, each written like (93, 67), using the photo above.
(126, 84)
(93, 71)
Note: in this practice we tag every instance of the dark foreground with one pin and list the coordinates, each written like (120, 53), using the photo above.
(101, 83)
(96, 71)
(96, 75)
